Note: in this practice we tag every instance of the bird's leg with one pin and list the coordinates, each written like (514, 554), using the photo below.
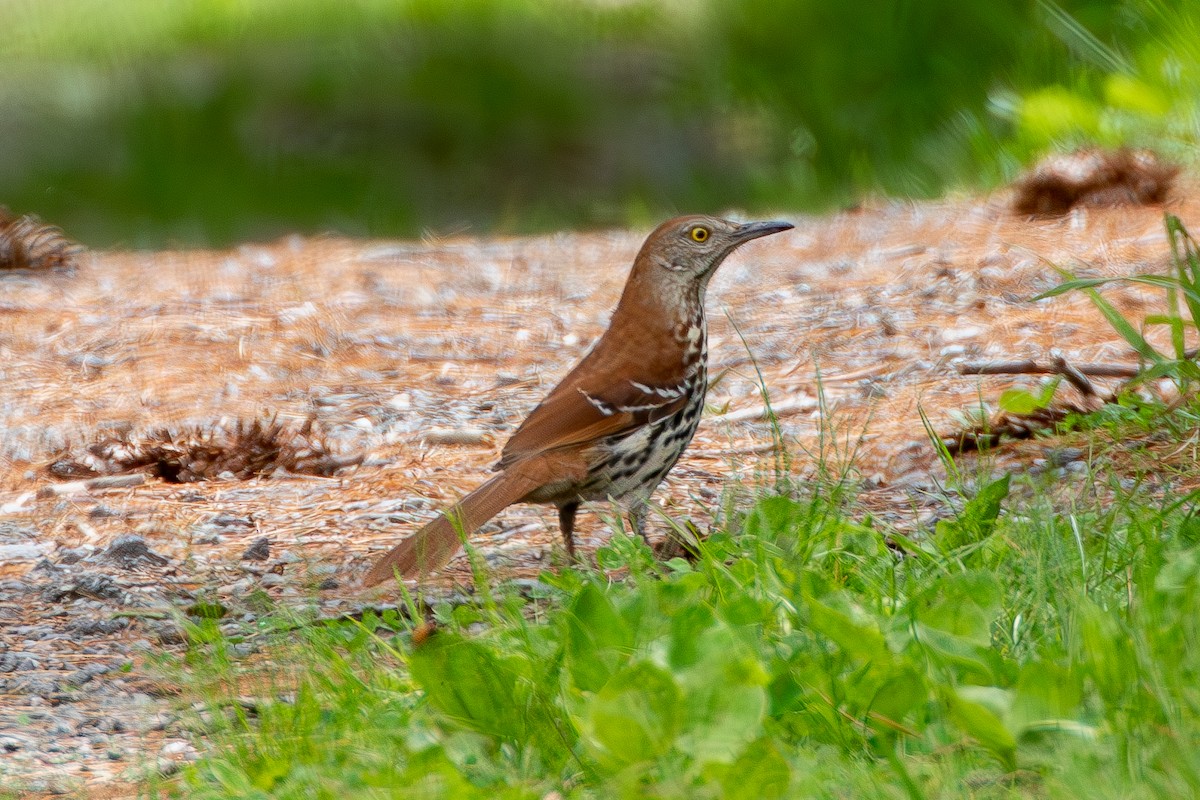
(566, 524)
(637, 519)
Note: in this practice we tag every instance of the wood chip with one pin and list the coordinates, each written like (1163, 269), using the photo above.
(456, 436)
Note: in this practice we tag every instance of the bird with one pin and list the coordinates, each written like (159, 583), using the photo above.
(618, 422)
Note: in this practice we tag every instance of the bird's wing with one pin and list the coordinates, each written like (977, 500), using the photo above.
(594, 403)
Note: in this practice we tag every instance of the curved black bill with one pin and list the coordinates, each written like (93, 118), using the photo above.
(753, 230)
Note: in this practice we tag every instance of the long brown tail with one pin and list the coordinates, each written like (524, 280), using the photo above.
(430, 548)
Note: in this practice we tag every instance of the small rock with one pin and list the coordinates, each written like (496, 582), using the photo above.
(1061, 457)
(98, 627)
(129, 550)
(167, 632)
(226, 520)
(206, 534)
(244, 649)
(15, 552)
(17, 662)
(235, 588)
(272, 579)
(175, 748)
(73, 555)
(259, 550)
(88, 584)
(103, 512)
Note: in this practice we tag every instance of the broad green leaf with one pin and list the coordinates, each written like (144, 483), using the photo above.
(1102, 649)
(968, 661)
(862, 641)
(899, 693)
(774, 517)
(980, 721)
(635, 717)
(462, 679)
(1045, 692)
(431, 774)
(1018, 401)
(1022, 401)
(759, 773)
(962, 604)
(598, 639)
(689, 630)
(1181, 574)
(1046, 395)
(725, 698)
(1122, 90)
(977, 519)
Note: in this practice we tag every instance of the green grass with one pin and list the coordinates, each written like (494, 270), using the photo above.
(1042, 640)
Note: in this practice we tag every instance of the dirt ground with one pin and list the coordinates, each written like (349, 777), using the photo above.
(422, 356)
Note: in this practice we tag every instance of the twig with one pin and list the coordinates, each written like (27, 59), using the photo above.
(763, 412)
(1073, 375)
(1023, 426)
(1031, 367)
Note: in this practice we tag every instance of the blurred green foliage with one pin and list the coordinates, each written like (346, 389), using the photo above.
(209, 121)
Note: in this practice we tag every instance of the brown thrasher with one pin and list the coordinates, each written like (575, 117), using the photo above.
(618, 422)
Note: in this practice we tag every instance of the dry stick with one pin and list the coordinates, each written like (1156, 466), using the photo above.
(1058, 366)
(1031, 367)
(1018, 425)
(1073, 375)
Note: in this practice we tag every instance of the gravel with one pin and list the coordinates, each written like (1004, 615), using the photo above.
(456, 336)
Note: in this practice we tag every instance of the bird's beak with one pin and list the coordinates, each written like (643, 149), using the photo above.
(754, 230)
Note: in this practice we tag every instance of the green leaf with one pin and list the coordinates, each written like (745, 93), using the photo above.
(1018, 401)
(974, 709)
(774, 517)
(1102, 649)
(759, 773)
(1046, 395)
(598, 641)
(725, 699)
(900, 692)
(965, 659)
(1045, 692)
(1123, 327)
(862, 641)
(1074, 285)
(635, 718)
(977, 519)
(462, 679)
(689, 627)
(961, 604)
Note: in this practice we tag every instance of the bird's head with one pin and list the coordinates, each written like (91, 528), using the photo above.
(689, 249)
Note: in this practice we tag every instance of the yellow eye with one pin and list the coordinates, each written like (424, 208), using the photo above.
(699, 233)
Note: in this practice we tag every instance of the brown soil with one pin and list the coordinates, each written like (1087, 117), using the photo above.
(394, 347)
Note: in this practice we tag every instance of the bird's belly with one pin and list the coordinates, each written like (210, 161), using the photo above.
(631, 466)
